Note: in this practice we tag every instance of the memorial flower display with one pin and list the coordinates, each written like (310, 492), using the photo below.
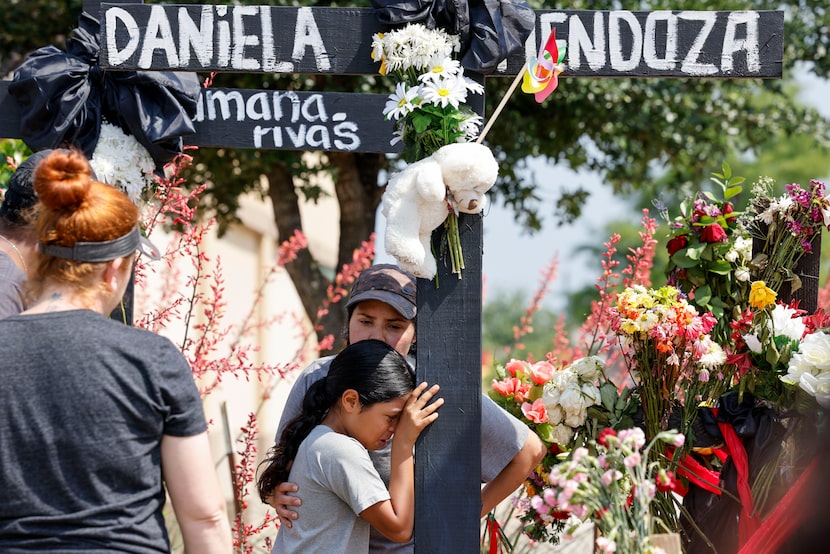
(567, 407)
(669, 353)
(710, 252)
(613, 485)
(428, 106)
(429, 103)
(120, 160)
(784, 227)
(730, 386)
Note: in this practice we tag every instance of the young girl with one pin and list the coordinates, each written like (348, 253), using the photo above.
(366, 397)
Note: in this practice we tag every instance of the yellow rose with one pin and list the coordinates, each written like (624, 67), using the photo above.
(760, 295)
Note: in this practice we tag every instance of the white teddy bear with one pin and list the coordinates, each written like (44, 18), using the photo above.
(415, 200)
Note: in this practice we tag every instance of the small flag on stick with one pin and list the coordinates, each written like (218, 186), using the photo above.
(542, 74)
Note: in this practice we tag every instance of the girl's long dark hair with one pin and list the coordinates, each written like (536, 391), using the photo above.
(371, 367)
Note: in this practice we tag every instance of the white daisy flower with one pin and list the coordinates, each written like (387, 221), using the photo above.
(440, 67)
(444, 92)
(401, 102)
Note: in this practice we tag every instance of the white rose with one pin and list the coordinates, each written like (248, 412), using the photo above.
(813, 355)
(588, 369)
(591, 395)
(555, 414)
(573, 403)
(561, 434)
(744, 247)
(553, 389)
(817, 386)
(731, 256)
(742, 274)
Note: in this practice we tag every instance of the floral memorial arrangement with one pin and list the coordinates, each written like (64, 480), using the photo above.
(430, 112)
(726, 379)
(120, 160)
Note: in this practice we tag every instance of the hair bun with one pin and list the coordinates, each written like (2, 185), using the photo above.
(62, 180)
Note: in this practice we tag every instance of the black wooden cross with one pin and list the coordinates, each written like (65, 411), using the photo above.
(338, 40)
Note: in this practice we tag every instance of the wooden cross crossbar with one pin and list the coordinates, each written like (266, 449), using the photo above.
(270, 39)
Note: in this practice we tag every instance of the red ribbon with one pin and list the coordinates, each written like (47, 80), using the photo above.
(696, 473)
(494, 529)
(787, 516)
(748, 522)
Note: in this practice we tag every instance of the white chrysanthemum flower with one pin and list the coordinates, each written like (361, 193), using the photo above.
(377, 46)
(397, 136)
(714, 356)
(400, 102)
(121, 161)
(444, 92)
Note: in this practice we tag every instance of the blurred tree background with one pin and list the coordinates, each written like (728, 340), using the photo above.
(645, 138)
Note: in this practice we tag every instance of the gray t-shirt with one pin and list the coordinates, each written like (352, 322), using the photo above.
(11, 279)
(338, 481)
(86, 401)
(502, 437)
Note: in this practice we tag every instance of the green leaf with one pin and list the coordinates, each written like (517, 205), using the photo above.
(721, 267)
(608, 395)
(727, 171)
(545, 432)
(734, 188)
(702, 295)
(683, 260)
(421, 122)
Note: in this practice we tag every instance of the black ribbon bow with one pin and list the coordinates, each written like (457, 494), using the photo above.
(489, 30)
(64, 96)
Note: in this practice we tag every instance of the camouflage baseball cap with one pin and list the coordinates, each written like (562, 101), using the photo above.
(387, 283)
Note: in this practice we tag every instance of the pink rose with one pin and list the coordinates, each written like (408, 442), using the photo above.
(535, 412)
(515, 367)
(541, 372)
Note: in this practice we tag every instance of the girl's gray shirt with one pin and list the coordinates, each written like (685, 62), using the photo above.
(502, 437)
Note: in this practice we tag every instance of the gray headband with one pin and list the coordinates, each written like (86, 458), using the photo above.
(104, 251)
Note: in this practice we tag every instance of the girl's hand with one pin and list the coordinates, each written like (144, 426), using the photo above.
(417, 414)
(282, 502)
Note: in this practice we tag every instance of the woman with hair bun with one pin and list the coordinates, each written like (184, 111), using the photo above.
(100, 420)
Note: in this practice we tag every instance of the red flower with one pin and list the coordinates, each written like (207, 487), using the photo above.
(741, 360)
(728, 212)
(713, 233)
(818, 320)
(677, 243)
(666, 481)
(602, 439)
